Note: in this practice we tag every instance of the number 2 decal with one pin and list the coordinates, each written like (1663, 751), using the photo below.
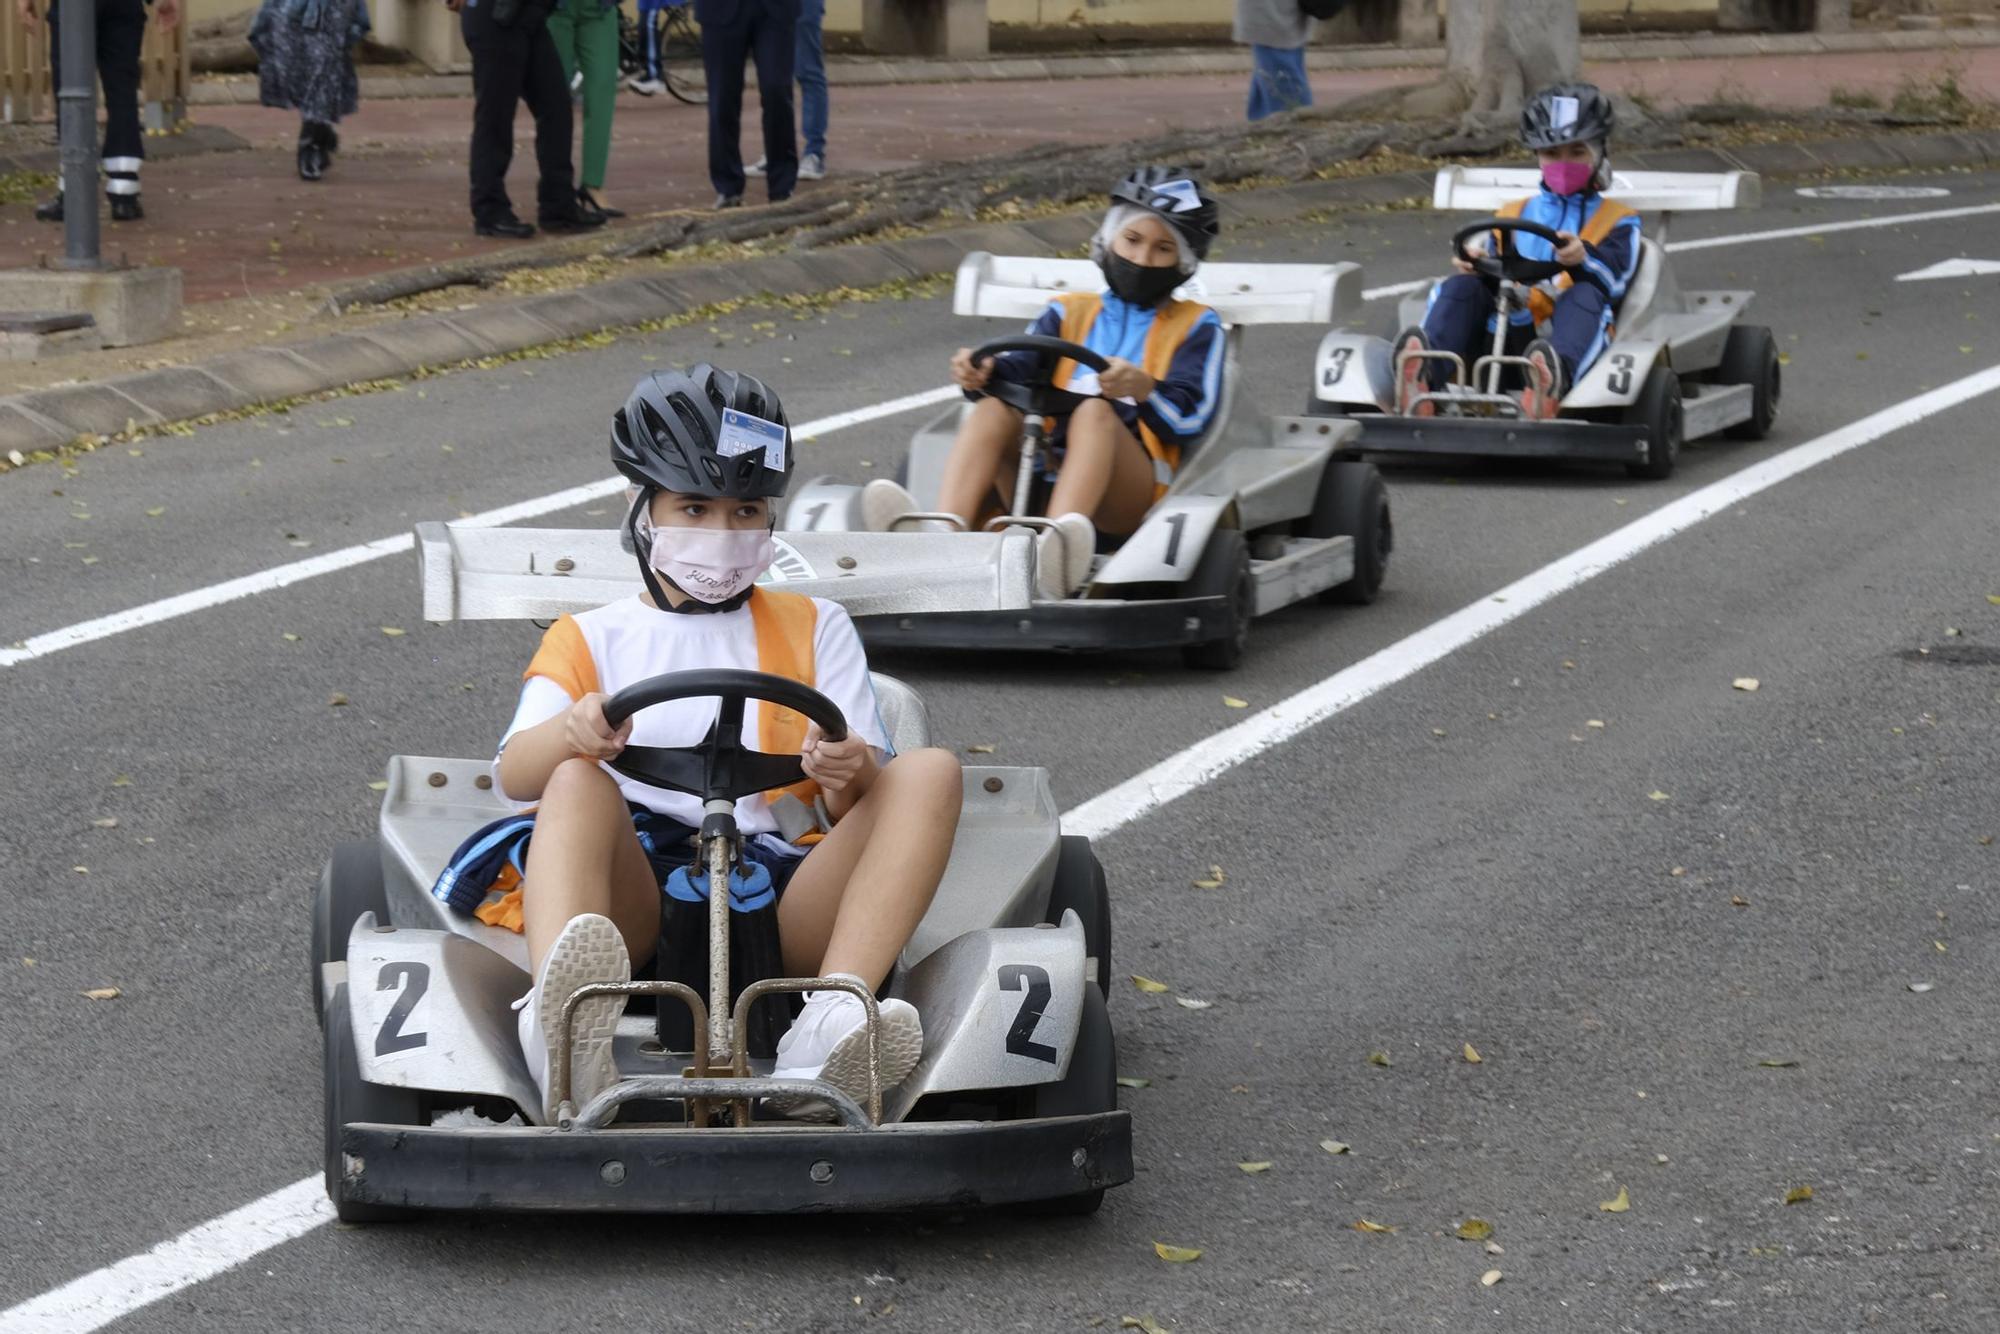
(414, 979)
(1621, 373)
(1333, 373)
(1021, 1037)
(1176, 522)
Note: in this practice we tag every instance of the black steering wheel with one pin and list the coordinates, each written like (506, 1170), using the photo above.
(721, 768)
(1507, 264)
(1037, 394)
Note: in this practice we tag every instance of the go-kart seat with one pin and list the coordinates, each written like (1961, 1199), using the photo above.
(1644, 285)
(903, 714)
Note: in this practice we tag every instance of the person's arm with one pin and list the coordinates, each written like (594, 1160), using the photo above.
(1182, 404)
(168, 12)
(1008, 365)
(30, 15)
(845, 770)
(1611, 263)
(532, 754)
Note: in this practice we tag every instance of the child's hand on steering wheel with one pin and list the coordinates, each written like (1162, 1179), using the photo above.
(832, 764)
(966, 375)
(589, 734)
(1570, 254)
(1121, 379)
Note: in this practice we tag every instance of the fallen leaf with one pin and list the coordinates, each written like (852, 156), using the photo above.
(1335, 1147)
(1253, 1169)
(1489, 1278)
(1678, 872)
(1597, 723)
(1619, 1205)
(1940, 947)
(336, 700)
(1132, 1082)
(1568, 665)
(393, 632)
(81, 870)
(1190, 1003)
(1739, 902)
(1798, 1195)
(379, 785)
(101, 993)
(1986, 840)
(1232, 702)
(1437, 731)
(26, 962)
(1747, 684)
(1148, 985)
(1215, 880)
(1993, 598)
(108, 822)
(1380, 1058)
(122, 780)
(291, 638)
(1777, 1065)
(1920, 987)
(1176, 1255)
(1657, 795)
(156, 511)
(979, 750)
(1472, 1056)
(1474, 1229)
(1145, 1324)
(1364, 1225)
(1493, 1248)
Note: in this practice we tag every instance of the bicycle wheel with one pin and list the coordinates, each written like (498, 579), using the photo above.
(680, 55)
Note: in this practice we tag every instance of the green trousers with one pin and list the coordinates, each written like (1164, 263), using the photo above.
(586, 35)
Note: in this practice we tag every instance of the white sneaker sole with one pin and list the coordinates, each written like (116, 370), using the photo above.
(588, 950)
(846, 1065)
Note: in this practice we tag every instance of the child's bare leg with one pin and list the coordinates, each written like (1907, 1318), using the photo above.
(855, 901)
(988, 446)
(584, 858)
(1107, 475)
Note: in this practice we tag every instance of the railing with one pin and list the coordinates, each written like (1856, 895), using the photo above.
(27, 87)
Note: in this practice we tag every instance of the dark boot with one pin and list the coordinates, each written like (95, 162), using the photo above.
(312, 163)
(49, 210)
(126, 208)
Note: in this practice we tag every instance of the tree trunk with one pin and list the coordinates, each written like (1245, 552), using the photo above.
(1503, 51)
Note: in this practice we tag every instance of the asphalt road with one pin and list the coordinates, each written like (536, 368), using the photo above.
(1463, 858)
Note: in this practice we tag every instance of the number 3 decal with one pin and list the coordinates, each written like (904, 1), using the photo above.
(1338, 367)
(1621, 373)
(414, 979)
(1021, 1037)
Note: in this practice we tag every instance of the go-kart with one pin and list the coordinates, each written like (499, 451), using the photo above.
(1679, 365)
(429, 1102)
(1263, 513)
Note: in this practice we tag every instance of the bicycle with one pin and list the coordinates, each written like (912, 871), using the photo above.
(679, 45)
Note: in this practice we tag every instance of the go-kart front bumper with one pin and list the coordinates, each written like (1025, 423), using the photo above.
(759, 1169)
(1078, 625)
(1499, 437)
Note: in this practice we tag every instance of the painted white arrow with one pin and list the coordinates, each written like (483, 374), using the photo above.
(1952, 268)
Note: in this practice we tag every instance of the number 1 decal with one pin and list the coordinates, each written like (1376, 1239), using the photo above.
(1176, 522)
(1021, 1037)
(414, 979)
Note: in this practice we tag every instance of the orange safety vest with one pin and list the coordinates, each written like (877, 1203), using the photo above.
(786, 624)
(1609, 212)
(1172, 322)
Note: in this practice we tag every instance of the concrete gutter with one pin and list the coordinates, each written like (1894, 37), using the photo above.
(49, 418)
(856, 71)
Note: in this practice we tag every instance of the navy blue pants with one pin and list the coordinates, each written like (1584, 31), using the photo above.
(1460, 319)
(762, 31)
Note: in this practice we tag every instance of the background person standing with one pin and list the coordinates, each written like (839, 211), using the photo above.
(731, 32)
(586, 37)
(121, 32)
(809, 67)
(1277, 32)
(305, 59)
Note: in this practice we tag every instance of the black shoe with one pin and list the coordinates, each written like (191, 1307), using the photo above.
(509, 227)
(312, 160)
(588, 203)
(49, 210)
(729, 201)
(579, 221)
(126, 208)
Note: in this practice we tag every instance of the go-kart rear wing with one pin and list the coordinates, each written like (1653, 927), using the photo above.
(1485, 189)
(1020, 287)
(476, 574)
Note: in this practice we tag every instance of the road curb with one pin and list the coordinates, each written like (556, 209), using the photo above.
(50, 418)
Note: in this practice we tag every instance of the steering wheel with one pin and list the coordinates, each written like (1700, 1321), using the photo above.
(721, 768)
(1037, 394)
(1507, 264)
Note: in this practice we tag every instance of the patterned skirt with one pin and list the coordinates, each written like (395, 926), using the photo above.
(311, 69)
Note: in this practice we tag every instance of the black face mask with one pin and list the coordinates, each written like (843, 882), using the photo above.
(1140, 284)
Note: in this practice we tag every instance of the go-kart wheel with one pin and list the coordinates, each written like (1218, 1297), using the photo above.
(349, 884)
(1658, 411)
(1353, 502)
(1079, 885)
(1089, 1087)
(1751, 357)
(350, 1098)
(1224, 571)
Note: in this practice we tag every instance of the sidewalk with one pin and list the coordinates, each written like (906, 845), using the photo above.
(242, 225)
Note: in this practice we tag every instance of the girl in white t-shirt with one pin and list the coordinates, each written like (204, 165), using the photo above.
(709, 452)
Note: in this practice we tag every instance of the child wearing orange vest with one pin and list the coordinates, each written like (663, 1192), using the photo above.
(1117, 453)
(708, 452)
(1569, 128)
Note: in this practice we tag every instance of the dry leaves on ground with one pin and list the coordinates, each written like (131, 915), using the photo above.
(1619, 1205)
(1190, 1003)
(1489, 1278)
(1133, 1082)
(1798, 1195)
(1230, 701)
(101, 993)
(1253, 1169)
(1380, 1058)
(1148, 985)
(1145, 1324)
(1472, 1056)
(1214, 880)
(1367, 1225)
(1176, 1255)
(1474, 1229)
(1335, 1147)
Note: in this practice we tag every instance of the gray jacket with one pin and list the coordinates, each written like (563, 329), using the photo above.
(1278, 23)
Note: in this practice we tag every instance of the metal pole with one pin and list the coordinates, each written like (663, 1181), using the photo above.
(76, 104)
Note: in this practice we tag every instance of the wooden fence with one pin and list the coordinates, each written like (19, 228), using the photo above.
(28, 89)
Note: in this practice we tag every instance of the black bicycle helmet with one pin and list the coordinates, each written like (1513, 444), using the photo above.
(1178, 199)
(1568, 113)
(667, 437)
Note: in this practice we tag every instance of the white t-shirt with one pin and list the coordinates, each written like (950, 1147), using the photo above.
(628, 641)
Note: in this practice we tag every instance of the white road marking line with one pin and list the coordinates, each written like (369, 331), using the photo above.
(1747, 238)
(265, 581)
(1951, 268)
(1216, 755)
(96, 1299)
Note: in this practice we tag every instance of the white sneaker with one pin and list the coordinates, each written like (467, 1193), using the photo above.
(646, 87)
(812, 167)
(882, 503)
(1063, 555)
(590, 949)
(829, 1041)
(758, 168)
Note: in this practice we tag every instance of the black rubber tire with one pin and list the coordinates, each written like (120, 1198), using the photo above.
(1223, 571)
(1089, 1087)
(1353, 501)
(350, 1098)
(1751, 357)
(1658, 410)
(1080, 885)
(349, 884)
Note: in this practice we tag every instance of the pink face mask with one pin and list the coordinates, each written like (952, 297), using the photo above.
(712, 564)
(1567, 178)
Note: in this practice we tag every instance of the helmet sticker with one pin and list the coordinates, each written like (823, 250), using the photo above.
(744, 434)
(1177, 196)
(1562, 112)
